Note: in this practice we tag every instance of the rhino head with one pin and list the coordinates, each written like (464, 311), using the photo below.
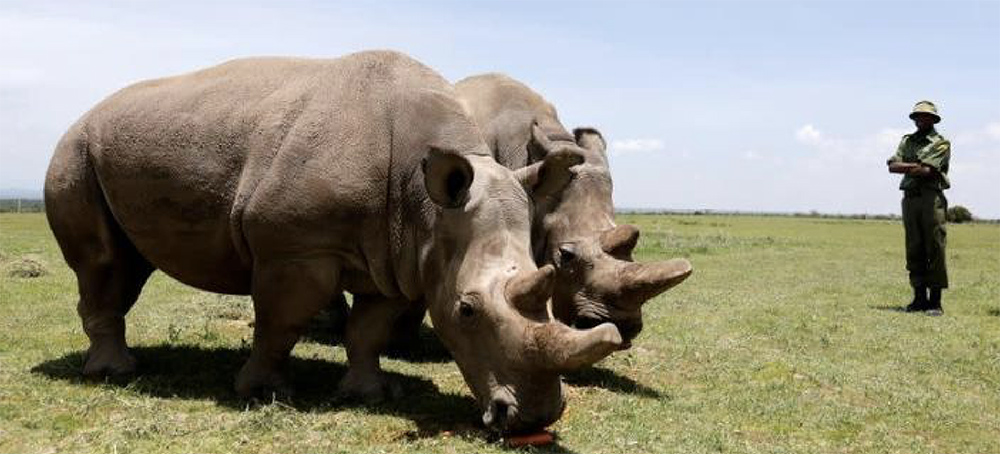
(597, 280)
(487, 299)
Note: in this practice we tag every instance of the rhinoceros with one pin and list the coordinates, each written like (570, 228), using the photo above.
(293, 180)
(596, 279)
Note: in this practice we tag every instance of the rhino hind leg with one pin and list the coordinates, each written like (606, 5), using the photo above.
(107, 292)
(110, 272)
(287, 294)
(369, 328)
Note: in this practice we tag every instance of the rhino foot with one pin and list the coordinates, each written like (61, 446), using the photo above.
(109, 360)
(369, 388)
(255, 382)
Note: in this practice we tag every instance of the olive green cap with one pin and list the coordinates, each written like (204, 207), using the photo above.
(926, 107)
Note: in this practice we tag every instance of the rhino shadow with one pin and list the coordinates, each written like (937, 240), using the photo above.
(611, 381)
(327, 328)
(194, 372)
(994, 312)
(426, 348)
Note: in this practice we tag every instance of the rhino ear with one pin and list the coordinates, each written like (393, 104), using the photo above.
(539, 146)
(447, 177)
(550, 176)
(590, 139)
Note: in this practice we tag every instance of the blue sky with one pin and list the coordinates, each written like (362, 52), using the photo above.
(761, 106)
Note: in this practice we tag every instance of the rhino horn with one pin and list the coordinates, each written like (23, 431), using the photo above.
(620, 241)
(643, 281)
(529, 291)
(563, 349)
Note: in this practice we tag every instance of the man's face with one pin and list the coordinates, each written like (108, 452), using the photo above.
(923, 121)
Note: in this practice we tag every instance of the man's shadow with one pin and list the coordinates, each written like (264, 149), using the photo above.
(888, 307)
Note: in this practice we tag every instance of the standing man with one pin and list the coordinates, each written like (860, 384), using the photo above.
(922, 158)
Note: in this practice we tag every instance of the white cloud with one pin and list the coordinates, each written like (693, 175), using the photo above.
(809, 134)
(993, 130)
(859, 148)
(989, 134)
(619, 147)
(888, 138)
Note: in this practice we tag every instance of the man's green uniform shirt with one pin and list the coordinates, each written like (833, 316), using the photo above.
(926, 148)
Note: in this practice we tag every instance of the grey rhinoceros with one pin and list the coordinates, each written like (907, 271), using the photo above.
(596, 278)
(293, 180)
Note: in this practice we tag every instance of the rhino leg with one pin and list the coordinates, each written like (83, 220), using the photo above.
(405, 336)
(369, 328)
(286, 295)
(107, 292)
(110, 272)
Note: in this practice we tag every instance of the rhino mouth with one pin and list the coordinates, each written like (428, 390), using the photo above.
(629, 328)
(501, 413)
(504, 414)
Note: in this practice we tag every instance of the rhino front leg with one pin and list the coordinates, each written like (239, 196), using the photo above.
(368, 331)
(286, 295)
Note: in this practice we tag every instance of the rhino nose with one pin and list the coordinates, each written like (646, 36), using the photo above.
(499, 414)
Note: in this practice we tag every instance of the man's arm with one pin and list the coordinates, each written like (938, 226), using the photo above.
(911, 168)
(902, 167)
(895, 162)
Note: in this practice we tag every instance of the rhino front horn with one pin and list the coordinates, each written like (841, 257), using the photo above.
(620, 241)
(529, 291)
(563, 349)
(643, 281)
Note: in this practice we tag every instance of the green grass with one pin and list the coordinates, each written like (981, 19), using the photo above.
(786, 339)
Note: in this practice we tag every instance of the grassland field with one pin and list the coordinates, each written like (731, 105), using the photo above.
(786, 339)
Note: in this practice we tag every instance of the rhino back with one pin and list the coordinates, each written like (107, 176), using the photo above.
(504, 110)
(252, 159)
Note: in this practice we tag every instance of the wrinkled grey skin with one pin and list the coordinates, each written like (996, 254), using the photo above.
(293, 180)
(597, 280)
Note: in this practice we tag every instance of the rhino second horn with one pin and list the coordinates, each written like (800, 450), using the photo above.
(563, 349)
(620, 241)
(643, 281)
(529, 291)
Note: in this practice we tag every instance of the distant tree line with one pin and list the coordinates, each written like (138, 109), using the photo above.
(22, 205)
(957, 214)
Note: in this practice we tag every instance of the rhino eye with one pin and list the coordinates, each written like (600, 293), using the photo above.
(567, 254)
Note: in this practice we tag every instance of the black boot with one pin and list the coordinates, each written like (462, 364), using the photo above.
(919, 302)
(934, 308)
